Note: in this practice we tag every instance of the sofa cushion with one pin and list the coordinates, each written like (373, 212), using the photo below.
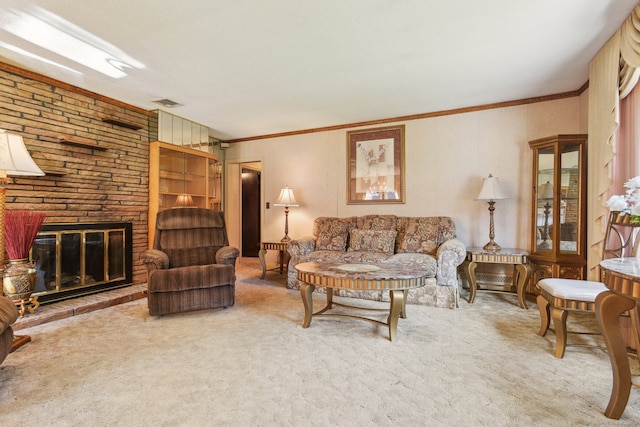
(424, 262)
(344, 257)
(332, 233)
(377, 222)
(383, 241)
(423, 234)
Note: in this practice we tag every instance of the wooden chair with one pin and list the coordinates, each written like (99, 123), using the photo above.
(559, 296)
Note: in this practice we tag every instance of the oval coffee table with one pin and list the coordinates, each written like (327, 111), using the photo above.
(397, 279)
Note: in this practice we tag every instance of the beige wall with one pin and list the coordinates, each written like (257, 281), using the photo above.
(446, 159)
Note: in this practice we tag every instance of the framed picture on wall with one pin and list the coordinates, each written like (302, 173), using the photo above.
(375, 166)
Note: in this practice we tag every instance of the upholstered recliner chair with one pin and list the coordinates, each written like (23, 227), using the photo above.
(191, 266)
(8, 315)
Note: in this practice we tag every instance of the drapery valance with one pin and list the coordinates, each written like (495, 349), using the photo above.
(629, 52)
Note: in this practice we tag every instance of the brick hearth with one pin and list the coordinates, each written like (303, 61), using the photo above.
(73, 307)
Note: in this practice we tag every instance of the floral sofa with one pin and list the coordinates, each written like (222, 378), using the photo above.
(427, 242)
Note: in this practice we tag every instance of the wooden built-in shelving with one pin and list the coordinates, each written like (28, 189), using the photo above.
(175, 171)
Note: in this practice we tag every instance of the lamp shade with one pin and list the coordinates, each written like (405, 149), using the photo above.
(184, 201)
(286, 198)
(546, 191)
(491, 189)
(14, 157)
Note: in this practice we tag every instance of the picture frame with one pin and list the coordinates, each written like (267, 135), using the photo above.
(375, 166)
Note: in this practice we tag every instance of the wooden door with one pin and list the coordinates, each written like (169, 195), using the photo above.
(250, 212)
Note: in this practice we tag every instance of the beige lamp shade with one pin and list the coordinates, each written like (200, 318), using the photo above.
(491, 189)
(286, 198)
(14, 157)
(184, 201)
(546, 191)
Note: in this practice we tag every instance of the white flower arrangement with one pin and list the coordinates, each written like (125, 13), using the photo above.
(628, 203)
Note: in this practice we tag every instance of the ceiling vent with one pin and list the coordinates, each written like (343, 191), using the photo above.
(167, 103)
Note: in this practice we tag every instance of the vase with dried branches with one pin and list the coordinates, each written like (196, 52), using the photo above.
(20, 229)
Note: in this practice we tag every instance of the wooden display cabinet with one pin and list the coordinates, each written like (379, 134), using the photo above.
(558, 231)
(181, 176)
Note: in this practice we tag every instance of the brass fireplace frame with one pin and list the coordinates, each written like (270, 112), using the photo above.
(85, 262)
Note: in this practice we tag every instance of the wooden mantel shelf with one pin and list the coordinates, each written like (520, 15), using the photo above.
(122, 124)
(84, 143)
(54, 171)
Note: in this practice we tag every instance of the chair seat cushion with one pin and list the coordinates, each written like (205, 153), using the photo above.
(193, 277)
(571, 289)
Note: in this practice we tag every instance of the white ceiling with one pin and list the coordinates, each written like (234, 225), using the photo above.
(256, 67)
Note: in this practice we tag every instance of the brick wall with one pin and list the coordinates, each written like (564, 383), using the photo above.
(107, 183)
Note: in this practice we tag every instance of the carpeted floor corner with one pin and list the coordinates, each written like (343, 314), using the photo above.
(254, 364)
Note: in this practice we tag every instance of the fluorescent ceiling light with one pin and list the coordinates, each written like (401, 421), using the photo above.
(34, 56)
(66, 39)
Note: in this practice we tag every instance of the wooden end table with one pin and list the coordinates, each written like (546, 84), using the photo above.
(516, 257)
(369, 277)
(283, 255)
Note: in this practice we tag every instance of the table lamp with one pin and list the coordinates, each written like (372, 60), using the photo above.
(546, 195)
(286, 199)
(491, 192)
(14, 160)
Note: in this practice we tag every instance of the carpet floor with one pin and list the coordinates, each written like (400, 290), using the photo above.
(254, 365)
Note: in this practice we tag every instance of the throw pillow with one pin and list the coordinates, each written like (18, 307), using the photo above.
(419, 235)
(383, 241)
(377, 222)
(332, 233)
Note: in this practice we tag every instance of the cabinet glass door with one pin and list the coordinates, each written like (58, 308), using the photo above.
(171, 174)
(569, 198)
(195, 179)
(215, 185)
(545, 200)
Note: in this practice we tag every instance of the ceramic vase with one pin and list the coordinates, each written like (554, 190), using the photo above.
(19, 279)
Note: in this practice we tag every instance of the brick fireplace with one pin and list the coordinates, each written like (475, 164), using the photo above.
(94, 151)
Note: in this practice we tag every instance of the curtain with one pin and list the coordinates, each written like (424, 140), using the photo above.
(628, 78)
(626, 155)
(630, 52)
(613, 74)
(626, 163)
(603, 122)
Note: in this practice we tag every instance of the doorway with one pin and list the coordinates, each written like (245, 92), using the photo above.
(233, 202)
(250, 212)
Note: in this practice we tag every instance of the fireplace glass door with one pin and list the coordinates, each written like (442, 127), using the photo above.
(75, 259)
